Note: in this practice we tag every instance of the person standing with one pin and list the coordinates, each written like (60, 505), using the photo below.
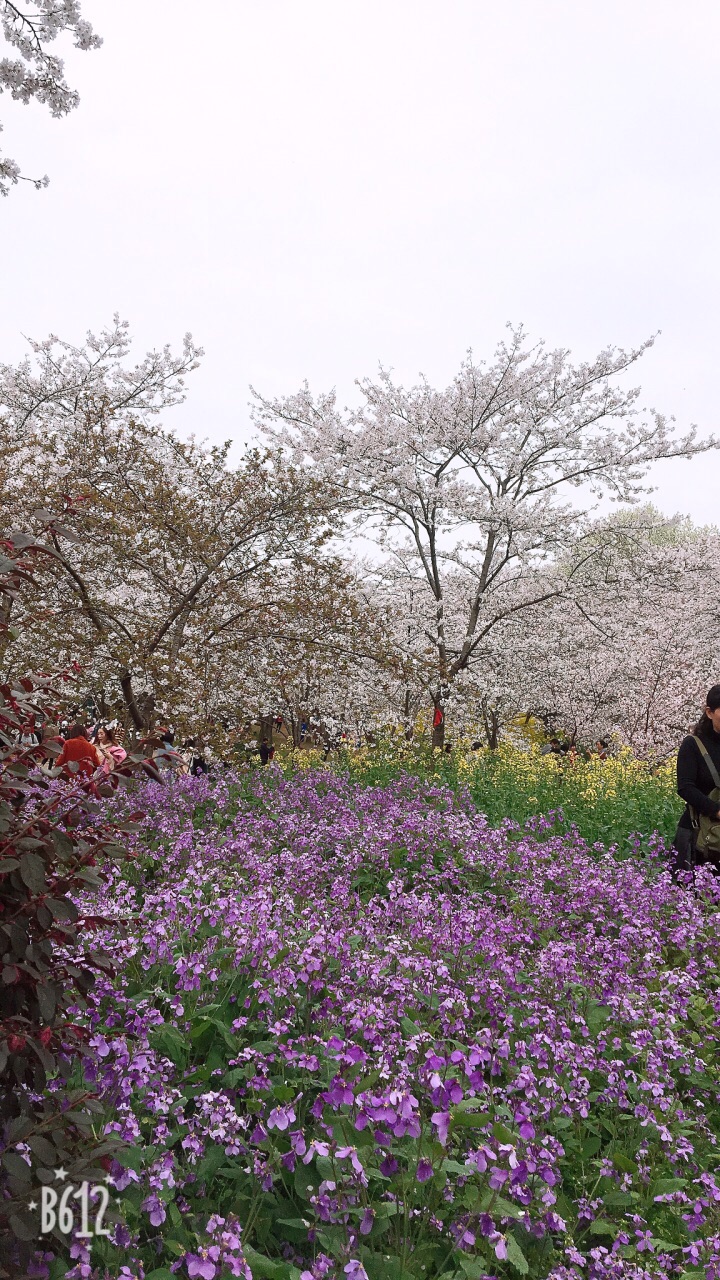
(186, 755)
(110, 750)
(28, 736)
(697, 839)
(199, 764)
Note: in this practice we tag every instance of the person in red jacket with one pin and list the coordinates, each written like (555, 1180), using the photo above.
(77, 749)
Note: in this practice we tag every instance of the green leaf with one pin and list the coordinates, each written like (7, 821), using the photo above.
(410, 1028)
(516, 1257)
(385, 1209)
(505, 1208)
(601, 1227)
(618, 1199)
(161, 1273)
(623, 1162)
(63, 845)
(131, 1158)
(283, 1092)
(210, 1164)
(590, 1147)
(262, 1268)
(32, 870)
(473, 1270)
(470, 1120)
(366, 1082)
(664, 1186)
(306, 1180)
(16, 1166)
(171, 1044)
(596, 1017)
(503, 1134)
(44, 1150)
(470, 1196)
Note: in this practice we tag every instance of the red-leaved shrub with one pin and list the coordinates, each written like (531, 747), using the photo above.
(54, 843)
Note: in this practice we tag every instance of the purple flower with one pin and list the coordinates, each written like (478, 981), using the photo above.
(441, 1120)
(500, 1246)
(366, 1222)
(281, 1118)
(500, 1033)
(154, 1206)
(644, 1241)
(198, 1266)
(355, 1270)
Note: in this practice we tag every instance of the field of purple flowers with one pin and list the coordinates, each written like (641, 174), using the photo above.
(355, 1031)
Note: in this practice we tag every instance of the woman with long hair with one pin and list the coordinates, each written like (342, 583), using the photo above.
(697, 839)
(110, 750)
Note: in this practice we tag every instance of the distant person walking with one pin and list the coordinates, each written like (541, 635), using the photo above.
(697, 839)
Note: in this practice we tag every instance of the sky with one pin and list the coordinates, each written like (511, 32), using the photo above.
(312, 187)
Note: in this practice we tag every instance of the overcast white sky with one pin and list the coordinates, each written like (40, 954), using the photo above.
(313, 186)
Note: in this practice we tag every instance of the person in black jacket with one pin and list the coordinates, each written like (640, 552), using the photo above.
(694, 781)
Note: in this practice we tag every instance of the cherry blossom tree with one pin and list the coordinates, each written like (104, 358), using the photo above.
(629, 653)
(331, 663)
(33, 73)
(164, 553)
(638, 665)
(475, 494)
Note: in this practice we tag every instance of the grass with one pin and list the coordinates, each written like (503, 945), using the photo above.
(620, 801)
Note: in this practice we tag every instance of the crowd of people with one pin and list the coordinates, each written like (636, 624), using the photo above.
(97, 752)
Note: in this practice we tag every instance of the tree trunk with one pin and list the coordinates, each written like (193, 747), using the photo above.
(266, 728)
(438, 732)
(409, 726)
(491, 720)
(132, 706)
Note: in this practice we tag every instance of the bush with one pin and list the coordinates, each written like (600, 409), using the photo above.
(52, 846)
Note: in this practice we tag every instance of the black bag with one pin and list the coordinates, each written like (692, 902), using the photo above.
(684, 848)
(708, 829)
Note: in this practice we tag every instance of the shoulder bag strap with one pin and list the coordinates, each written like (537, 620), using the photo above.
(706, 756)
